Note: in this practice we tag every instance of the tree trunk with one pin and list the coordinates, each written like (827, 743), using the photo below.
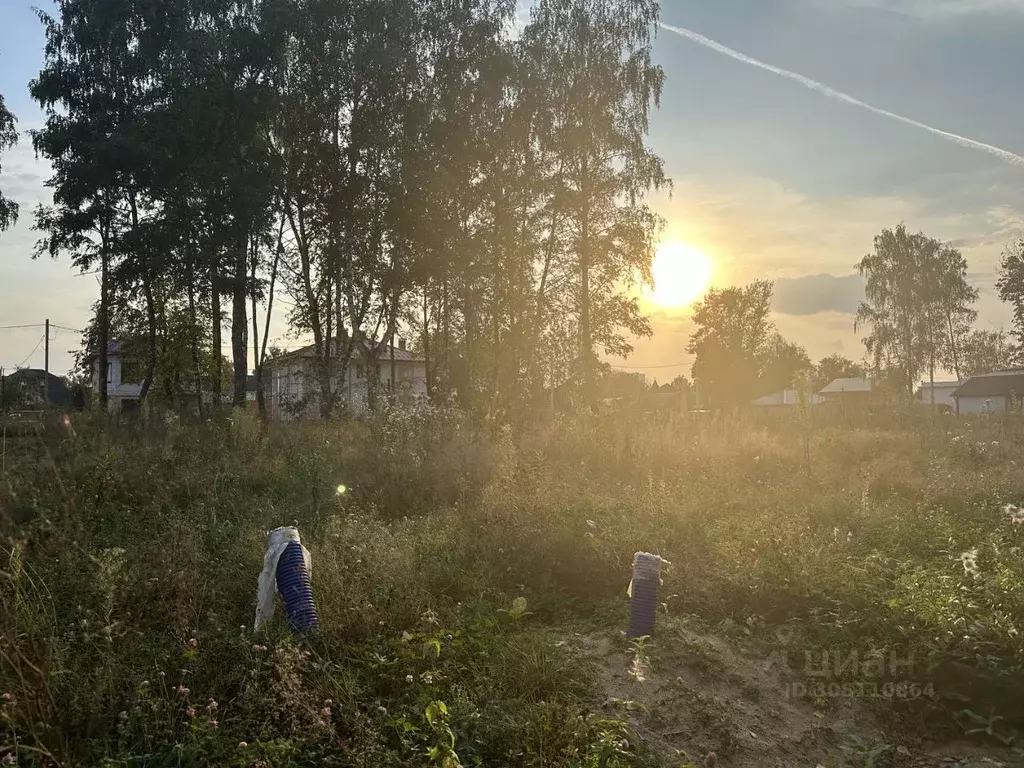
(104, 323)
(239, 329)
(218, 358)
(197, 373)
(586, 344)
(426, 344)
(147, 288)
(261, 356)
(953, 350)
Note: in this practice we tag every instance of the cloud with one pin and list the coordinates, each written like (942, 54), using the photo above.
(932, 9)
(812, 294)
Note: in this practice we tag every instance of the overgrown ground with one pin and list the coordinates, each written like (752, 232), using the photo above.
(836, 596)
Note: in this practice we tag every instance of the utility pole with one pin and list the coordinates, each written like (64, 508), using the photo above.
(46, 364)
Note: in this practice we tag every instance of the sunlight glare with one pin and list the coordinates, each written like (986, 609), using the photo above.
(682, 274)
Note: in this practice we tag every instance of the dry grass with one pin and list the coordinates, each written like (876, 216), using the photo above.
(122, 545)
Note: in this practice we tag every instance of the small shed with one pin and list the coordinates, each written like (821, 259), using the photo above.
(991, 393)
(940, 393)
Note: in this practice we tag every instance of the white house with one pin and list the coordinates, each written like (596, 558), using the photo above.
(293, 384)
(940, 393)
(786, 398)
(991, 393)
(124, 378)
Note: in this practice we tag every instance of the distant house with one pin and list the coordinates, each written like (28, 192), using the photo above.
(941, 391)
(32, 388)
(125, 375)
(785, 398)
(847, 391)
(292, 386)
(991, 393)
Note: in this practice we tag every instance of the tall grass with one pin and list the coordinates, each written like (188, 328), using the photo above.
(130, 558)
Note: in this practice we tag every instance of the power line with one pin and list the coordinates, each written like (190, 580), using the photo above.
(651, 367)
(40, 325)
(29, 355)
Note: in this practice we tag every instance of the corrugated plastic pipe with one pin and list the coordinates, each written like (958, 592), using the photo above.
(293, 585)
(643, 607)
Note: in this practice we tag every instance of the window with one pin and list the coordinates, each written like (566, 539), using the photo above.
(110, 373)
(131, 372)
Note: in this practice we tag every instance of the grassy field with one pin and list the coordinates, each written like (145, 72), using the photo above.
(130, 557)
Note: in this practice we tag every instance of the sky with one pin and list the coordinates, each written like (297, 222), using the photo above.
(771, 178)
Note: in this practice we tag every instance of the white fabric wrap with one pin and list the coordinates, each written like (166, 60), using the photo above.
(646, 566)
(277, 541)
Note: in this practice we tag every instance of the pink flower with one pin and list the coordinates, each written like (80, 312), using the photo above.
(258, 648)
(181, 690)
(193, 643)
(191, 712)
(325, 713)
(8, 697)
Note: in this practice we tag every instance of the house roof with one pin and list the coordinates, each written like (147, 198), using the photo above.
(57, 390)
(113, 348)
(940, 384)
(384, 353)
(846, 385)
(997, 384)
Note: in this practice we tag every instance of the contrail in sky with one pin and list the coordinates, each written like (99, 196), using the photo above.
(846, 98)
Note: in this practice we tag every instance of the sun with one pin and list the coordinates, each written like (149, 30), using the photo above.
(682, 274)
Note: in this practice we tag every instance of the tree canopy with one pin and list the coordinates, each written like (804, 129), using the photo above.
(402, 167)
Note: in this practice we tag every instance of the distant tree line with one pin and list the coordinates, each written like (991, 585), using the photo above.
(918, 314)
(413, 167)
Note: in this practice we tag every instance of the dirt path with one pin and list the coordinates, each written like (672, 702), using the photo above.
(696, 694)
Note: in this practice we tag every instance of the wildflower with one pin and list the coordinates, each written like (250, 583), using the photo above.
(181, 690)
(591, 523)
(213, 724)
(383, 710)
(211, 706)
(161, 674)
(8, 698)
(1015, 513)
(191, 712)
(408, 678)
(193, 643)
(969, 560)
(328, 703)
(325, 713)
(123, 717)
(428, 678)
(9, 759)
(258, 648)
(242, 745)
(144, 684)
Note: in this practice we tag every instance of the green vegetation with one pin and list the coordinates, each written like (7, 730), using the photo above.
(450, 572)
